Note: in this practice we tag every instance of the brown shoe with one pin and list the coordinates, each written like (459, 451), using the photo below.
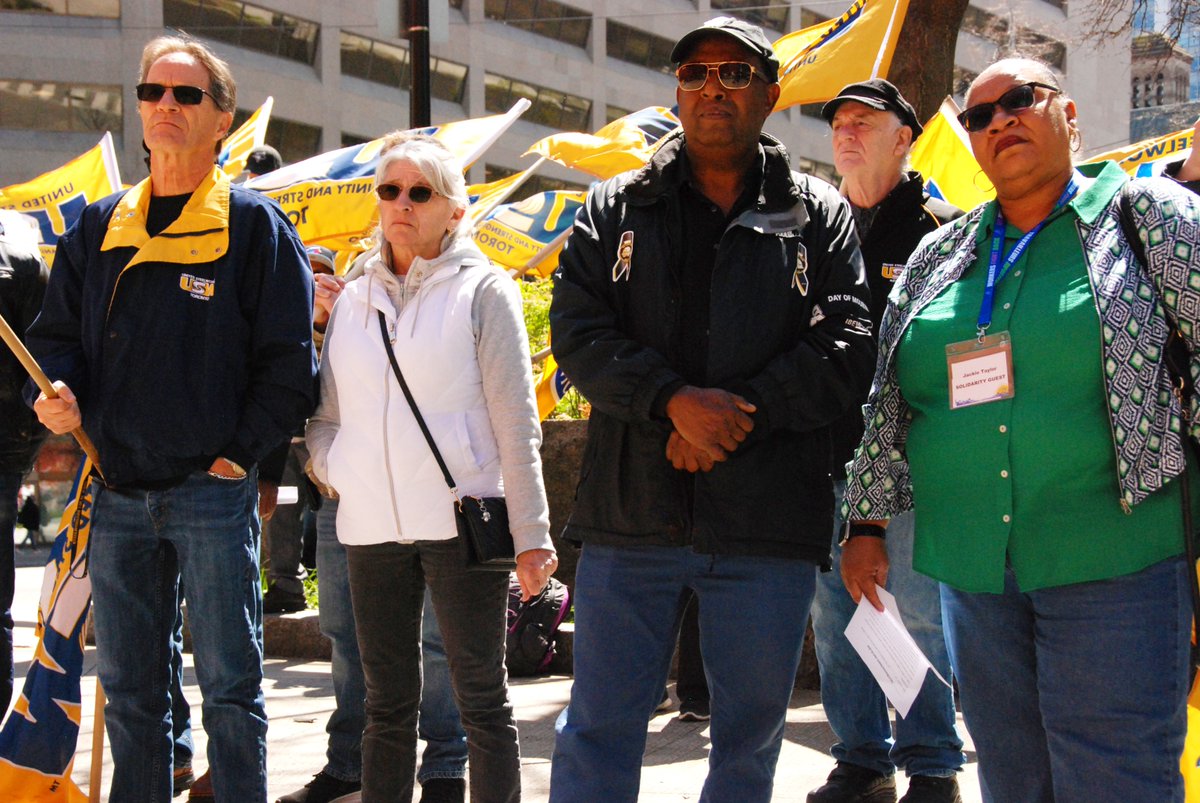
(202, 787)
(182, 780)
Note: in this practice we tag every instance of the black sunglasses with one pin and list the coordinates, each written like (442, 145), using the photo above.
(979, 116)
(184, 95)
(416, 193)
(731, 74)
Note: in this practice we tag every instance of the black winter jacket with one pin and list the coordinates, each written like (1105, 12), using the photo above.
(789, 330)
(23, 277)
(905, 216)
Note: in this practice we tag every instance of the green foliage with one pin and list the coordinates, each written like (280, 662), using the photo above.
(536, 297)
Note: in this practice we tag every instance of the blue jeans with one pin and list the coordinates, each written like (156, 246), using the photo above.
(445, 754)
(343, 753)
(10, 486)
(1077, 692)
(142, 543)
(926, 742)
(284, 531)
(628, 603)
(181, 712)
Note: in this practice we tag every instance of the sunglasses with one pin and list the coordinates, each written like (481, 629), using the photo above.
(1019, 98)
(184, 95)
(731, 74)
(417, 193)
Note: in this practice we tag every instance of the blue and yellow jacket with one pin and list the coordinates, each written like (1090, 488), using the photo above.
(187, 346)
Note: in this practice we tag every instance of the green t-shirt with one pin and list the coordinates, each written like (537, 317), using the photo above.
(1029, 481)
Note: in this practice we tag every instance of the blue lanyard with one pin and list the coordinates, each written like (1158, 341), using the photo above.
(996, 271)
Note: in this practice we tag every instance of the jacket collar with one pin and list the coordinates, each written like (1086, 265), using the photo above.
(200, 234)
(668, 169)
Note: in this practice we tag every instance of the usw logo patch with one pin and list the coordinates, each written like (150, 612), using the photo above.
(196, 287)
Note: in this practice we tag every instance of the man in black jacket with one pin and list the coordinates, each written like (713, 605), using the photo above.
(873, 130)
(23, 277)
(712, 308)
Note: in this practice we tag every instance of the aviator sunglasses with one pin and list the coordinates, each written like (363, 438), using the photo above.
(417, 194)
(184, 95)
(1019, 98)
(731, 74)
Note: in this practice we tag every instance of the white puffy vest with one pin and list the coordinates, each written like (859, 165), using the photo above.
(390, 486)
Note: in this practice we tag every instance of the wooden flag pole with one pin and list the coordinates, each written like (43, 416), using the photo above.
(46, 386)
(96, 779)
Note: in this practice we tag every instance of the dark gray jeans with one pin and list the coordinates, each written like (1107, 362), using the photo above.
(387, 587)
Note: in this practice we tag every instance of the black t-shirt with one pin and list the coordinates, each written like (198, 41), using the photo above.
(163, 211)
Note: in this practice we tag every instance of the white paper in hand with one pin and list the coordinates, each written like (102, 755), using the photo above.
(888, 650)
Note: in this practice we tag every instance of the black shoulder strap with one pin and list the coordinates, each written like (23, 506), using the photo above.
(387, 346)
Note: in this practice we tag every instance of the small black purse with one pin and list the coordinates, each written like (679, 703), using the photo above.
(482, 522)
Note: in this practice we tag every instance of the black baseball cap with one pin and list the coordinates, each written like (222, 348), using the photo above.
(878, 94)
(263, 159)
(749, 36)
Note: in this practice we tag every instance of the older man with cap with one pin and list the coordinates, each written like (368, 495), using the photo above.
(713, 309)
(873, 130)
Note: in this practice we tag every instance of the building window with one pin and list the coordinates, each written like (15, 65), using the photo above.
(812, 110)
(532, 185)
(1051, 51)
(245, 25)
(811, 18)
(551, 107)
(349, 139)
(821, 170)
(543, 17)
(385, 63)
(638, 47)
(985, 25)
(294, 140)
(44, 106)
(769, 14)
(961, 83)
(110, 9)
(612, 112)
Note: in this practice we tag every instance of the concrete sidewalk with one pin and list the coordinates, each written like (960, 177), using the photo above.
(300, 698)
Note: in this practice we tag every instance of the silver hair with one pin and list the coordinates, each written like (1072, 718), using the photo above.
(438, 166)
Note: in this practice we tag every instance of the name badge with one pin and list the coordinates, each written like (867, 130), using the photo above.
(980, 370)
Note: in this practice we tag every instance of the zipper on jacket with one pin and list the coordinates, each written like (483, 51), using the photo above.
(1125, 506)
(387, 460)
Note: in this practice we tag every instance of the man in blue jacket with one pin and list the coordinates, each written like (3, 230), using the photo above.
(177, 327)
(712, 308)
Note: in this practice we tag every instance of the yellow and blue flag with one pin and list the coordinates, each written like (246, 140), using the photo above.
(624, 144)
(249, 136)
(816, 62)
(527, 236)
(37, 743)
(942, 155)
(551, 387)
(1149, 156)
(329, 197)
(57, 198)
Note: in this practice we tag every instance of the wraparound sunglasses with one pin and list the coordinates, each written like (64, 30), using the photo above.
(184, 95)
(1019, 98)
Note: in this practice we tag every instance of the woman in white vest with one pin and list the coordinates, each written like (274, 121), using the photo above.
(455, 327)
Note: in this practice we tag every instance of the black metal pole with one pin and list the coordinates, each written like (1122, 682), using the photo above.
(417, 23)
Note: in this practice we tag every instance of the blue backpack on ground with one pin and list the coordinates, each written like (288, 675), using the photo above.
(533, 627)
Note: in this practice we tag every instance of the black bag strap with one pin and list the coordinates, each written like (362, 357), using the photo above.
(1176, 358)
(387, 346)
